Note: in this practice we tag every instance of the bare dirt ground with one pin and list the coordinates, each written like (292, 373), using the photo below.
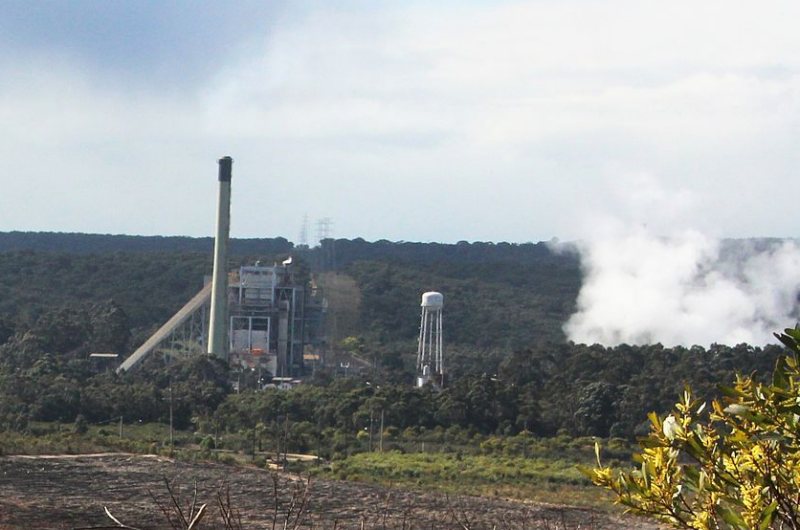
(70, 492)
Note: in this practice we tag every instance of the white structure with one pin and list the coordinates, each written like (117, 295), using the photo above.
(218, 326)
(430, 356)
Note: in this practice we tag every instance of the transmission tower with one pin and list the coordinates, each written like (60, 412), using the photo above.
(324, 229)
(303, 236)
(326, 243)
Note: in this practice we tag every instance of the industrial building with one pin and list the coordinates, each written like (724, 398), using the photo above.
(259, 318)
(274, 321)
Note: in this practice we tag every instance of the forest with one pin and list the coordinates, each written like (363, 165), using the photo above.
(511, 369)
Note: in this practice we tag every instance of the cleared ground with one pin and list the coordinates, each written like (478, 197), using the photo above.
(71, 492)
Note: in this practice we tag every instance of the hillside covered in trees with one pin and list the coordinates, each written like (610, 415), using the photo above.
(498, 295)
(64, 295)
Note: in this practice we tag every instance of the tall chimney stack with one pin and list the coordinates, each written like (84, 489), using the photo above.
(218, 328)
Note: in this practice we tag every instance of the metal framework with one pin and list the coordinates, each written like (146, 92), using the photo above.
(183, 334)
(430, 351)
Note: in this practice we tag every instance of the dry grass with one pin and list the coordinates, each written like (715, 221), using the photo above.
(79, 490)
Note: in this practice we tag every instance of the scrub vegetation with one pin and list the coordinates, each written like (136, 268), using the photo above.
(733, 463)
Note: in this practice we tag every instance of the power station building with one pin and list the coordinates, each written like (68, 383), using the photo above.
(273, 319)
(257, 318)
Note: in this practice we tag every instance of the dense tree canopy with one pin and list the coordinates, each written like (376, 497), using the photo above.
(510, 367)
(45, 374)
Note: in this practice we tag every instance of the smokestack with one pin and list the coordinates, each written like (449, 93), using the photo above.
(218, 328)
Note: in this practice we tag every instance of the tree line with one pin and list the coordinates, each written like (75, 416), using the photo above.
(551, 389)
(510, 365)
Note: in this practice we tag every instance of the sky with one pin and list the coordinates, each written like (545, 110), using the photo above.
(639, 132)
(417, 121)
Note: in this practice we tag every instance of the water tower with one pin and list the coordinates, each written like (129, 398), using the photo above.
(430, 357)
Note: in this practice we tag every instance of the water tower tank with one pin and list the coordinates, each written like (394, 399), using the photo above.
(430, 357)
(432, 300)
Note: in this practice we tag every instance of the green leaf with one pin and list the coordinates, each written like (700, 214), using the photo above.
(767, 516)
(793, 333)
(645, 476)
(654, 420)
(790, 339)
(779, 375)
(731, 392)
(731, 517)
(692, 478)
(738, 437)
(694, 449)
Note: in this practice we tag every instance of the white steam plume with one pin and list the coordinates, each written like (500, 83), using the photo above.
(685, 289)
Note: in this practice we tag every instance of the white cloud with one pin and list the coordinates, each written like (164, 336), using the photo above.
(95, 160)
(507, 120)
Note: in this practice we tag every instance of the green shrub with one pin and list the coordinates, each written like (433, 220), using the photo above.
(733, 465)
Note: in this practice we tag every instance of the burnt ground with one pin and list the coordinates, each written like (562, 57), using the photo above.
(70, 492)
